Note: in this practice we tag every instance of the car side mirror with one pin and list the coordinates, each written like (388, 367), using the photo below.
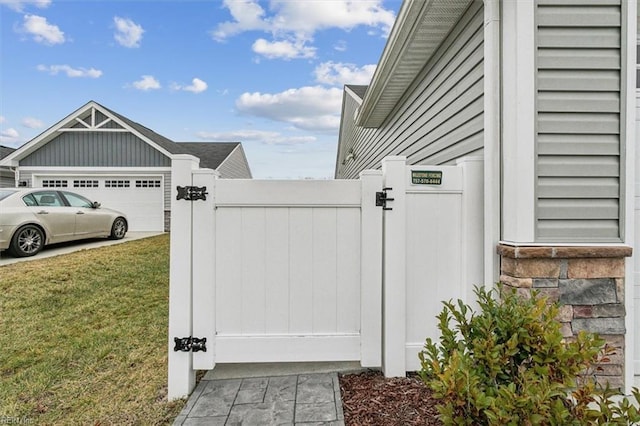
(95, 205)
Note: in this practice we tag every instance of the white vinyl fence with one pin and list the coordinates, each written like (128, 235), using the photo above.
(289, 271)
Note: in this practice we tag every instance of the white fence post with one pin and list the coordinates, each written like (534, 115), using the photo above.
(181, 376)
(371, 271)
(472, 226)
(204, 273)
(394, 288)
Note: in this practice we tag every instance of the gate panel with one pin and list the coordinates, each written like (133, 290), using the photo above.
(287, 271)
(433, 264)
(348, 270)
(301, 267)
(277, 277)
(432, 246)
(228, 270)
(272, 271)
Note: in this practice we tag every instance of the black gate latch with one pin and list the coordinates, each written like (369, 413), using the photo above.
(191, 193)
(381, 199)
(186, 344)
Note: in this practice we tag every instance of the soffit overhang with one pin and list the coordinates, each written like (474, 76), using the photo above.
(419, 30)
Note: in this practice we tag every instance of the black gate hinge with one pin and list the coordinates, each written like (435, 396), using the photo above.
(190, 344)
(381, 199)
(191, 193)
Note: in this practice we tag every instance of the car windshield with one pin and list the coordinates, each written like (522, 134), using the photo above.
(4, 193)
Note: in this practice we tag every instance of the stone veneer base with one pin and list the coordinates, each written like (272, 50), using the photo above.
(588, 283)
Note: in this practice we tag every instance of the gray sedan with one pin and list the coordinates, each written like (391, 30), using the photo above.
(34, 217)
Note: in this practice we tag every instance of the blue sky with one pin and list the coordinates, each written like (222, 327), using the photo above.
(268, 74)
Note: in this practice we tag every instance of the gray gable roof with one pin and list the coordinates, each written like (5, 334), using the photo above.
(5, 150)
(164, 142)
(358, 89)
(211, 154)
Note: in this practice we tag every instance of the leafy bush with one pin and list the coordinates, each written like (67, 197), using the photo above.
(510, 365)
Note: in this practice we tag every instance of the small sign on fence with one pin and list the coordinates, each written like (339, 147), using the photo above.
(426, 177)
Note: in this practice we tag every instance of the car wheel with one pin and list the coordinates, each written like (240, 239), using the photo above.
(118, 229)
(27, 241)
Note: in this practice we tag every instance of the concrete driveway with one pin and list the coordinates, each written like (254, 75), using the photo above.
(64, 248)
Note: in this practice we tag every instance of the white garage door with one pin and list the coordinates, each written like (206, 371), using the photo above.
(139, 197)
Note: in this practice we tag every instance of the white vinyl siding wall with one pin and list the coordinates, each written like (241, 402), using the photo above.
(235, 166)
(441, 117)
(578, 162)
(7, 178)
(348, 129)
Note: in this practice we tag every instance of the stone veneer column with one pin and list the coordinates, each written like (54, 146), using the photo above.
(588, 282)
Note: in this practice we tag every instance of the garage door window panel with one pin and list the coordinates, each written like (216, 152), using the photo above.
(152, 183)
(82, 183)
(54, 183)
(116, 183)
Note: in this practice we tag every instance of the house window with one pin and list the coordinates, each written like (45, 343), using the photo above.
(54, 183)
(151, 183)
(116, 183)
(85, 183)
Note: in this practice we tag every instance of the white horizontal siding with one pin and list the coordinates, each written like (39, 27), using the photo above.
(564, 101)
(578, 38)
(578, 144)
(578, 120)
(348, 135)
(235, 166)
(578, 187)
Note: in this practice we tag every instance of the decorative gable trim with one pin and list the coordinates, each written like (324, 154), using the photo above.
(90, 117)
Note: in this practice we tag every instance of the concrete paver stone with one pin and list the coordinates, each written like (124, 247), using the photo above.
(297, 399)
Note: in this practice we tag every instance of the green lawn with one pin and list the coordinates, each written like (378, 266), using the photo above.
(83, 337)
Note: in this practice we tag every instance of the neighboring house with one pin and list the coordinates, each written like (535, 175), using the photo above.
(544, 93)
(118, 162)
(7, 176)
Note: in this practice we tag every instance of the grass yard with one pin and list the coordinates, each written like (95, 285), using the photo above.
(83, 337)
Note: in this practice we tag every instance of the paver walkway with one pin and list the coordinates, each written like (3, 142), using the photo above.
(297, 399)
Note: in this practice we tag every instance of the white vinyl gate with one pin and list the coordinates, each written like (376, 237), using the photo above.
(289, 271)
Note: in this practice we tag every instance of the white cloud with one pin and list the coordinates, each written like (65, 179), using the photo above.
(283, 49)
(338, 74)
(2, 119)
(303, 17)
(266, 137)
(128, 33)
(42, 31)
(32, 123)
(19, 5)
(70, 71)
(308, 108)
(147, 82)
(299, 21)
(340, 46)
(9, 136)
(247, 16)
(196, 86)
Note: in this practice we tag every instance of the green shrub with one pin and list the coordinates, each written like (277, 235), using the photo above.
(510, 365)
